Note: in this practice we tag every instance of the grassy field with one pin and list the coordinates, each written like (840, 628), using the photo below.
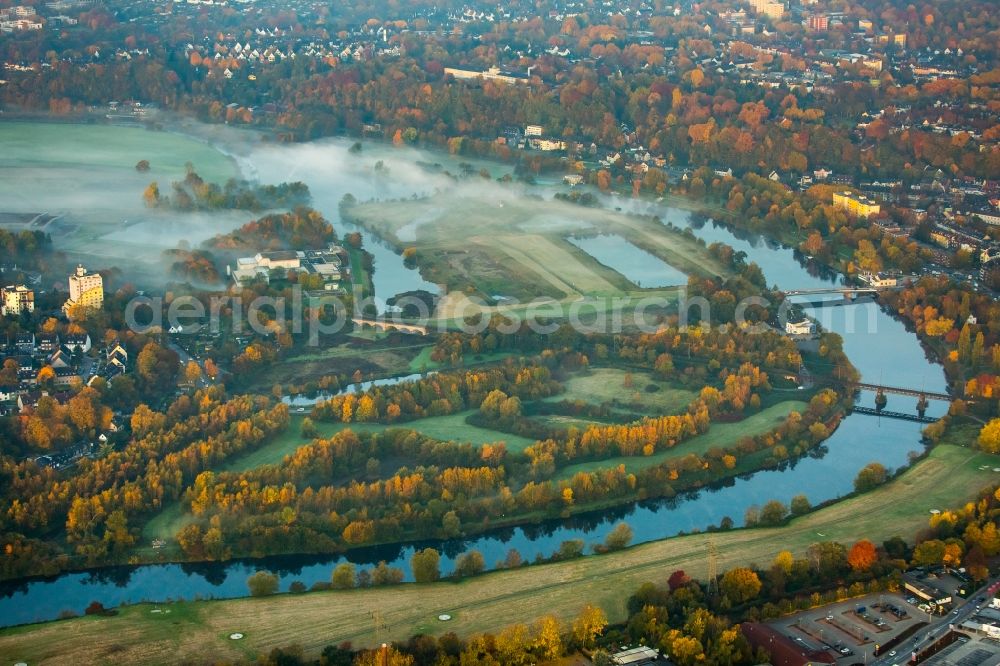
(87, 174)
(198, 631)
(166, 524)
(344, 359)
(604, 385)
(359, 274)
(571, 272)
(719, 434)
(450, 428)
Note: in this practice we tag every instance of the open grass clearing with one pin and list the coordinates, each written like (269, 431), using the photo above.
(560, 421)
(604, 385)
(166, 524)
(573, 272)
(450, 428)
(594, 311)
(720, 435)
(297, 371)
(948, 477)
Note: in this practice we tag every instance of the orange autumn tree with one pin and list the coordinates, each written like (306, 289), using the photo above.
(862, 555)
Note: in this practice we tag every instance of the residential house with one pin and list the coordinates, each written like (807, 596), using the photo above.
(66, 378)
(117, 360)
(60, 359)
(79, 341)
(24, 343)
(47, 343)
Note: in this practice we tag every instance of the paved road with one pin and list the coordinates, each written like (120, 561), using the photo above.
(184, 357)
(937, 628)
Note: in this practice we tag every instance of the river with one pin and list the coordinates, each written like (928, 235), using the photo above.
(879, 347)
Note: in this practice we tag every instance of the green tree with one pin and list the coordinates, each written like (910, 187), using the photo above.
(426, 565)
(965, 345)
(262, 584)
(451, 524)
(569, 549)
(309, 430)
(469, 564)
(773, 513)
(929, 553)
(871, 476)
(977, 350)
(343, 576)
(800, 505)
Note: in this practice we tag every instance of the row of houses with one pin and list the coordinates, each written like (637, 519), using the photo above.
(33, 355)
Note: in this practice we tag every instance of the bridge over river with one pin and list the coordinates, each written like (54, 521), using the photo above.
(899, 390)
(851, 295)
(871, 411)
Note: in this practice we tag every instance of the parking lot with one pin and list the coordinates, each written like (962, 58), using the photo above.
(852, 629)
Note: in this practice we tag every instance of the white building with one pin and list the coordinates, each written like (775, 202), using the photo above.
(804, 327)
(546, 144)
(491, 74)
(878, 280)
(262, 263)
(16, 299)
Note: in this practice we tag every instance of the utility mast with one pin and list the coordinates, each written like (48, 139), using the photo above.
(713, 568)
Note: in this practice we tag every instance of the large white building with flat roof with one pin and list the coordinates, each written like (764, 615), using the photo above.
(16, 299)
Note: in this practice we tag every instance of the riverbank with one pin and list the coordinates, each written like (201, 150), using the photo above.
(200, 630)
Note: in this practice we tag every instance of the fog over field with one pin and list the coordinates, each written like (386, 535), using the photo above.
(86, 175)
